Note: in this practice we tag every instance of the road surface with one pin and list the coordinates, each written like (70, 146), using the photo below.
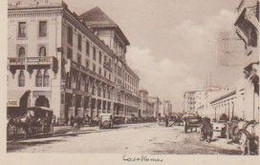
(148, 138)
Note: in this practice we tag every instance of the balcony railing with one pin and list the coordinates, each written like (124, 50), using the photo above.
(31, 60)
(91, 73)
(107, 66)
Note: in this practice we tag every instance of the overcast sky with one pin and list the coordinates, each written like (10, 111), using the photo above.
(173, 42)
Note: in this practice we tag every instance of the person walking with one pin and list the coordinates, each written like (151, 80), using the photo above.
(71, 120)
(166, 121)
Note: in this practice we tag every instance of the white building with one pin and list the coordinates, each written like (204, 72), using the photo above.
(74, 65)
(194, 100)
(247, 28)
(157, 103)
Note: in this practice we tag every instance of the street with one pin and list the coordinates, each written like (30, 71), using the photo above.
(145, 138)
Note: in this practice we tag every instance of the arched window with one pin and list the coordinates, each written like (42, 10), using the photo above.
(42, 51)
(39, 79)
(46, 78)
(21, 79)
(21, 52)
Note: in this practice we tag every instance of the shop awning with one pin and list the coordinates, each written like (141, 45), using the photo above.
(14, 96)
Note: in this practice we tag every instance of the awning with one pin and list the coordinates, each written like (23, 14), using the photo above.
(14, 96)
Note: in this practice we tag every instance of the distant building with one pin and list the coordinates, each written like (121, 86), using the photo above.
(193, 100)
(157, 103)
(146, 107)
(198, 101)
(166, 108)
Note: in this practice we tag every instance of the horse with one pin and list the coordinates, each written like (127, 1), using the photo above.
(206, 130)
(19, 124)
(249, 140)
(233, 131)
(46, 124)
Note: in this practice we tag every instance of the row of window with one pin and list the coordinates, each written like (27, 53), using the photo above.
(94, 90)
(22, 29)
(42, 80)
(22, 51)
(101, 57)
(94, 51)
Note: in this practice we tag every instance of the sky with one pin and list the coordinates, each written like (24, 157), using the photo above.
(173, 43)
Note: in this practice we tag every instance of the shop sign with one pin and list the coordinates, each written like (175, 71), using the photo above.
(13, 103)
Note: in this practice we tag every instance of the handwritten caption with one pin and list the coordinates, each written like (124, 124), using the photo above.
(142, 158)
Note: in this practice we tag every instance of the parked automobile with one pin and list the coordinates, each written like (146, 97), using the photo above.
(106, 121)
(149, 119)
(118, 120)
(140, 120)
(220, 128)
(130, 119)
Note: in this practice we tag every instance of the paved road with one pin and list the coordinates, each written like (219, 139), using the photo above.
(137, 138)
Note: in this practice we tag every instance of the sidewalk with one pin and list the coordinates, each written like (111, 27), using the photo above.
(65, 130)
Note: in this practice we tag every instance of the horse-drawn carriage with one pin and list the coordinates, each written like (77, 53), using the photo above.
(245, 133)
(35, 121)
(191, 121)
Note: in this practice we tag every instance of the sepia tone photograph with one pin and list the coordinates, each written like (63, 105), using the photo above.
(146, 77)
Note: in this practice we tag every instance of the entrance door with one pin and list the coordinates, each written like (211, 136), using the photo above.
(42, 101)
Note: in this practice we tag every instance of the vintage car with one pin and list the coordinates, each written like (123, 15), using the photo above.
(118, 120)
(106, 121)
(130, 119)
(34, 122)
(220, 128)
(191, 121)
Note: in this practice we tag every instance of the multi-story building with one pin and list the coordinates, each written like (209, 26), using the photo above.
(167, 108)
(74, 65)
(229, 103)
(146, 107)
(247, 27)
(156, 102)
(194, 100)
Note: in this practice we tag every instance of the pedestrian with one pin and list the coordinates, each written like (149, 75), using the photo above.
(71, 121)
(166, 121)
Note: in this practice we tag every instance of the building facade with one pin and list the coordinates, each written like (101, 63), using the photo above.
(156, 103)
(247, 28)
(74, 65)
(193, 100)
(167, 108)
(146, 107)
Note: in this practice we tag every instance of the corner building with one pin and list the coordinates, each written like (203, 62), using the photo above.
(74, 65)
(247, 28)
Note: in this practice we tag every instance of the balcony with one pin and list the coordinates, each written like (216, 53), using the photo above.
(31, 63)
(90, 73)
(107, 66)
